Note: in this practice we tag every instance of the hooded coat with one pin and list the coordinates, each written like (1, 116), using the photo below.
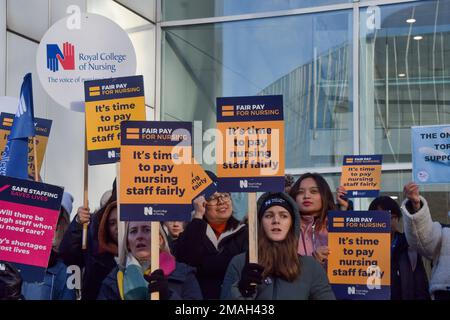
(312, 283)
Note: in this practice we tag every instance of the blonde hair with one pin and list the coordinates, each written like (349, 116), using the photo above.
(123, 245)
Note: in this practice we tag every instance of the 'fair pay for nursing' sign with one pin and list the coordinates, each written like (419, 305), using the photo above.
(361, 176)
(431, 154)
(108, 103)
(155, 171)
(250, 155)
(359, 261)
(29, 212)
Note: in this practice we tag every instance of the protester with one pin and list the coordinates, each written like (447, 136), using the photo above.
(132, 280)
(314, 199)
(10, 282)
(173, 230)
(280, 273)
(429, 238)
(100, 256)
(54, 286)
(408, 277)
(211, 240)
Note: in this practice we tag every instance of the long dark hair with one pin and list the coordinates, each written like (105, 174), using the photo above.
(325, 193)
(279, 258)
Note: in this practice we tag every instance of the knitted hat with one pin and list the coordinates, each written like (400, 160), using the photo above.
(270, 199)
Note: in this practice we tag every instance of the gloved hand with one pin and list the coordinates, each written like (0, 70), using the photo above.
(10, 282)
(157, 282)
(250, 277)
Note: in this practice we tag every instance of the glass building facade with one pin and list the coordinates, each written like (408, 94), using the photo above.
(354, 75)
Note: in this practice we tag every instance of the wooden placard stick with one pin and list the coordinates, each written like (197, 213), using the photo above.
(252, 228)
(36, 173)
(155, 225)
(85, 198)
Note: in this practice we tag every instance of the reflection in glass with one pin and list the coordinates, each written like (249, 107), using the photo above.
(192, 9)
(405, 73)
(305, 58)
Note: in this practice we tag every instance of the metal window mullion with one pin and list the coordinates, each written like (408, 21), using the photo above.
(252, 16)
(355, 93)
(158, 63)
(382, 2)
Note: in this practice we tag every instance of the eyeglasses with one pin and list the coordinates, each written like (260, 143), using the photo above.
(224, 197)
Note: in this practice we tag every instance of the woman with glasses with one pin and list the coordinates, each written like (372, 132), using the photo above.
(211, 240)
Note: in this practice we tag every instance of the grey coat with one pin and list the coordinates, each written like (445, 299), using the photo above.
(312, 284)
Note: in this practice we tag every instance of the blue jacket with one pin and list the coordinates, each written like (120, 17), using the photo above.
(54, 286)
(182, 283)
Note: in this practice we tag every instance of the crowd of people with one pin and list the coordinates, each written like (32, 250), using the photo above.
(207, 257)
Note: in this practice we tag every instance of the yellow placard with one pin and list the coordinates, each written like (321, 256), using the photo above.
(361, 175)
(103, 120)
(149, 175)
(41, 141)
(356, 255)
(251, 149)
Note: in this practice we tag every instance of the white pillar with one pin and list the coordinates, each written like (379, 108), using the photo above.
(2, 47)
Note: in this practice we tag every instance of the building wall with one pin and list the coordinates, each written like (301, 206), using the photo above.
(22, 25)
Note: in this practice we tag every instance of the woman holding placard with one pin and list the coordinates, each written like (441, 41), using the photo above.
(132, 280)
(281, 273)
(211, 240)
(314, 199)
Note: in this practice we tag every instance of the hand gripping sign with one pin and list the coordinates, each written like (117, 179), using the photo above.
(250, 155)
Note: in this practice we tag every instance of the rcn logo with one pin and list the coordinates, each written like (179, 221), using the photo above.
(55, 57)
(148, 211)
(243, 184)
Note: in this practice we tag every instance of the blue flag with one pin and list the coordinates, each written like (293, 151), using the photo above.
(14, 161)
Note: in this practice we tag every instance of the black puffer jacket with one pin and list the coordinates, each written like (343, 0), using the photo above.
(96, 266)
(407, 283)
(199, 247)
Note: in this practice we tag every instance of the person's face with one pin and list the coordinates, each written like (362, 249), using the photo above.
(395, 221)
(276, 222)
(308, 198)
(175, 228)
(139, 240)
(112, 225)
(219, 208)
